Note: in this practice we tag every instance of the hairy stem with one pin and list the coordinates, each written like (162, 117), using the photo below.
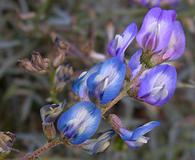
(43, 149)
(116, 100)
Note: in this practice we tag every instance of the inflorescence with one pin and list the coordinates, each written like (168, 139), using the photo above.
(144, 76)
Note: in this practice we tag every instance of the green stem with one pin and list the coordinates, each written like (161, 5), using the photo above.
(53, 93)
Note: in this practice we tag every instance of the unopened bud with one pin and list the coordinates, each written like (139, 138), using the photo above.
(62, 75)
(50, 112)
(62, 47)
(115, 122)
(6, 142)
(36, 64)
(49, 130)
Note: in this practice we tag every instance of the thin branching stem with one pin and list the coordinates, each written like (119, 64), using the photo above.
(44, 148)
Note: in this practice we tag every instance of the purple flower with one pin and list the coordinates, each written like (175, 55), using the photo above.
(80, 122)
(176, 46)
(120, 43)
(133, 138)
(103, 82)
(157, 85)
(156, 29)
(161, 35)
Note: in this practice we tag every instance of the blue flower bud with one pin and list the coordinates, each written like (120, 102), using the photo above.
(107, 83)
(103, 81)
(80, 122)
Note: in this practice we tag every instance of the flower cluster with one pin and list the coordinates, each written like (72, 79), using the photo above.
(144, 77)
(160, 39)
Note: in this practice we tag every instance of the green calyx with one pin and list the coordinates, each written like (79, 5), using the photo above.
(146, 59)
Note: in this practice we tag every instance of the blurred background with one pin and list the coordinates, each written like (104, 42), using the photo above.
(88, 25)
